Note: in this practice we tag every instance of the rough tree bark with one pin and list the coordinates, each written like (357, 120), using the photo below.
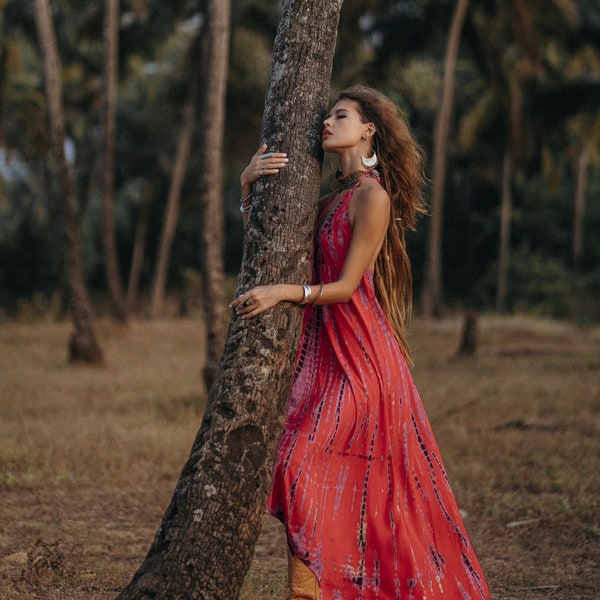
(109, 238)
(212, 218)
(204, 545)
(83, 346)
(431, 295)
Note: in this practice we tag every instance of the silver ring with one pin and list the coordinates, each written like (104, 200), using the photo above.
(261, 172)
(267, 155)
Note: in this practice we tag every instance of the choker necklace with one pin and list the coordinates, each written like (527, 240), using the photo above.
(349, 181)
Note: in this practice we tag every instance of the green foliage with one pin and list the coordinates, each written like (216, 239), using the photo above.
(544, 286)
(396, 45)
(29, 264)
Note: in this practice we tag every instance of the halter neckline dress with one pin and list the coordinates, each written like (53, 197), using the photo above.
(358, 481)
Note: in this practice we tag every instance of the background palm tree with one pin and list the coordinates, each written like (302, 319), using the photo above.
(542, 69)
(82, 345)
(212, 229)
(431, 293)
(188, 126)
(111, 75)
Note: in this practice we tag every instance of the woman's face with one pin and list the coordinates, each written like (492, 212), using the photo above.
(343, 128)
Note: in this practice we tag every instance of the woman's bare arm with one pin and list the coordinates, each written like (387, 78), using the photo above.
(369, 214)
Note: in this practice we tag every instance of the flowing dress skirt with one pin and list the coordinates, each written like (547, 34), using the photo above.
(359, 482)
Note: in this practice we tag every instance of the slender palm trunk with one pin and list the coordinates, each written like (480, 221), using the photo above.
(432, 293)
(111, 261)
(3, 78)
(583, 162)
(82, 346)
(159, 283)
(137, 260)
(212, 230)
(505, 227)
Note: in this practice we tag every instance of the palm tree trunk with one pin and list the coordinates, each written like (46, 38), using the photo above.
(525, 34)
(111, 261)
(82, 345)
(583, 162)
(3, 78)
(505, 222)
(159, 283)
(204, 545)
(212, 231)
(137, 260)
(432, 294)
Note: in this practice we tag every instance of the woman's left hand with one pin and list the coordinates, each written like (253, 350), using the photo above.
(261, 298)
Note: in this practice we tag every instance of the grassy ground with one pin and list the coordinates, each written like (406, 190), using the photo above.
(89, 456)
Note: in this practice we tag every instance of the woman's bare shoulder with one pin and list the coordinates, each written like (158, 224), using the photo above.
(371, 194)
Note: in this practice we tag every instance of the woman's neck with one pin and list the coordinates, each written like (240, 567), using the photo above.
(350, 163)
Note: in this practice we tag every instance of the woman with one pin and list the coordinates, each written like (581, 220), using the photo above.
(358, 481)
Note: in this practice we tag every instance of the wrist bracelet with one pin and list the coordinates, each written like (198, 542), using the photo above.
(307, 292)
(245, 205)
(319, 294)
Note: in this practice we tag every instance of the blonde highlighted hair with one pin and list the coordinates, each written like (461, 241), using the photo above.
(401, 170)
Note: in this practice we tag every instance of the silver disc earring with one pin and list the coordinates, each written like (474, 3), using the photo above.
(371, 162)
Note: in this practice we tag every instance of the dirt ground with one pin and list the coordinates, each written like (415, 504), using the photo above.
(97, 538)
(84, 484)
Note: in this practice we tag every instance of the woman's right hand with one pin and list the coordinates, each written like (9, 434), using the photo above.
(262, 163)
(263, 297)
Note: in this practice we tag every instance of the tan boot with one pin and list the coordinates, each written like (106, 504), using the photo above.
(302, 581)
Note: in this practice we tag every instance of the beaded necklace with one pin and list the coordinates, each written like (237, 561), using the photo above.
(345, 183)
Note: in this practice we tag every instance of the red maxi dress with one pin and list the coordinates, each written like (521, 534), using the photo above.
(359, 482)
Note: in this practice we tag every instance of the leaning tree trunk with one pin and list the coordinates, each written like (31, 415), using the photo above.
(431, 295)
(212, 228)
(204, 545)
(109, 238)
(82, 346)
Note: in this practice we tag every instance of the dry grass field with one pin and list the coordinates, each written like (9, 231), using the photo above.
(89, 456)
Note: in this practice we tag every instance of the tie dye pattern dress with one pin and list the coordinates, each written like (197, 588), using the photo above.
(359, 482)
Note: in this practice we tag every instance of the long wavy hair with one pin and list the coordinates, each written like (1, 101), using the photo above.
(401, 171)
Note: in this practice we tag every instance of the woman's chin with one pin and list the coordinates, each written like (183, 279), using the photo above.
(328, 146)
